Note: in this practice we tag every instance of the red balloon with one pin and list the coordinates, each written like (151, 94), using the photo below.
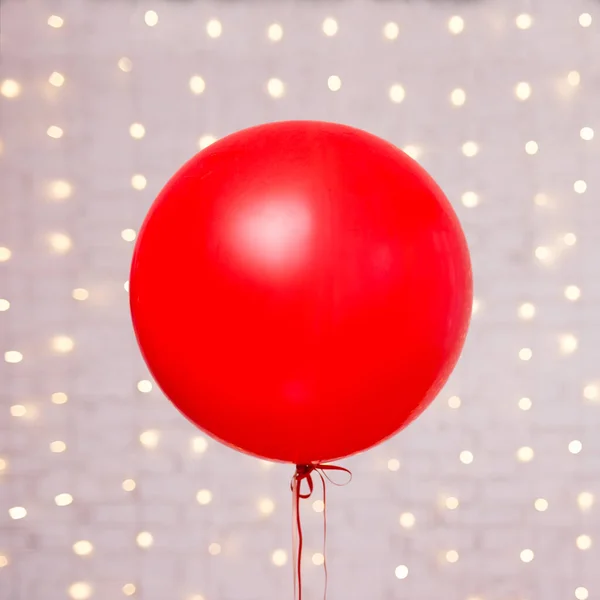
(301, 290)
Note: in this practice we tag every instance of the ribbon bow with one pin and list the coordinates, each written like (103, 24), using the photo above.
(305, 473)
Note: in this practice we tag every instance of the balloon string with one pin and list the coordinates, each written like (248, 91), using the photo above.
(304, 473)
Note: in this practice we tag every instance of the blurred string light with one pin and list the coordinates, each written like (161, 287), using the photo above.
(334, 83)
(197, 85)
(55, 21)
(524, 21)
(10, 88)
(214, 29)
(275, 32)
(330, 27)
(397, 93)
(456, 25)
(391, 30)
(56, 79)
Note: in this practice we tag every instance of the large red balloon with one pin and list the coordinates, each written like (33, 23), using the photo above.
(301, 290)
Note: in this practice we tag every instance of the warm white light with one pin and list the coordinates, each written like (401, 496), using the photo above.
(276, 88)
(531, 147)
(391, 30)
(128, 485)
(456, 25)
(585, 19)
(5, 254)
(83, 548)
(57, 447)
(13, 356)
(4, 304)
(413, 151)
(476, 306)
(60, 189)
(17, 512)
(540, 200)
(3, 561)
(397, 93)
(334, 83)
(54, 132)
(56, 79)
(318, 506)
(470, 199)
(570, 239)
(3, 464)
(80, 591)
(149, 439)
(523, 90)
(393, 464)
(18, 410)
(401, 572)
(60, 242)
(266, 506)
(454, 402)
(526, 311)
(543, 253)
(128, 235)
(458, 97)
(591, 392)
(205, 141)
(138, 182)
(63, 499)
(144, 386)
(214, 549)
(525, 403)
(526, 555)
(585, 500)
(452, 556)
(62, 344)
(572, 292)
(80, 294)
(204, 497)
(580, 186)
(470, 149)
(568, 343)
(10, 88)
(524, 21)
(125, 64)
(407, 520)
(128, 589)
(525, 454)
(55, 21)
(137, 131)
(150, 18)
(197, 84)
(330, 26)
(318, 559)
(584, 542)
(575, 447)
(275, 32)
(525, 354)
(451, 503)
(466, 457)
(587, 134)
(199, 444)
(59, 398)
(279, 558)
(581, 593)
(574, 78)
(214, 28)
(144, 539)
(541, 505)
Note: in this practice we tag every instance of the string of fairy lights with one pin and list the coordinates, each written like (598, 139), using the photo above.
(61, 190)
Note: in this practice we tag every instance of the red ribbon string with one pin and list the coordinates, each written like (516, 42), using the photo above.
(304, 473)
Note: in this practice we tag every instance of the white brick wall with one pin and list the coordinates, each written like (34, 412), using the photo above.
(105, 413)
